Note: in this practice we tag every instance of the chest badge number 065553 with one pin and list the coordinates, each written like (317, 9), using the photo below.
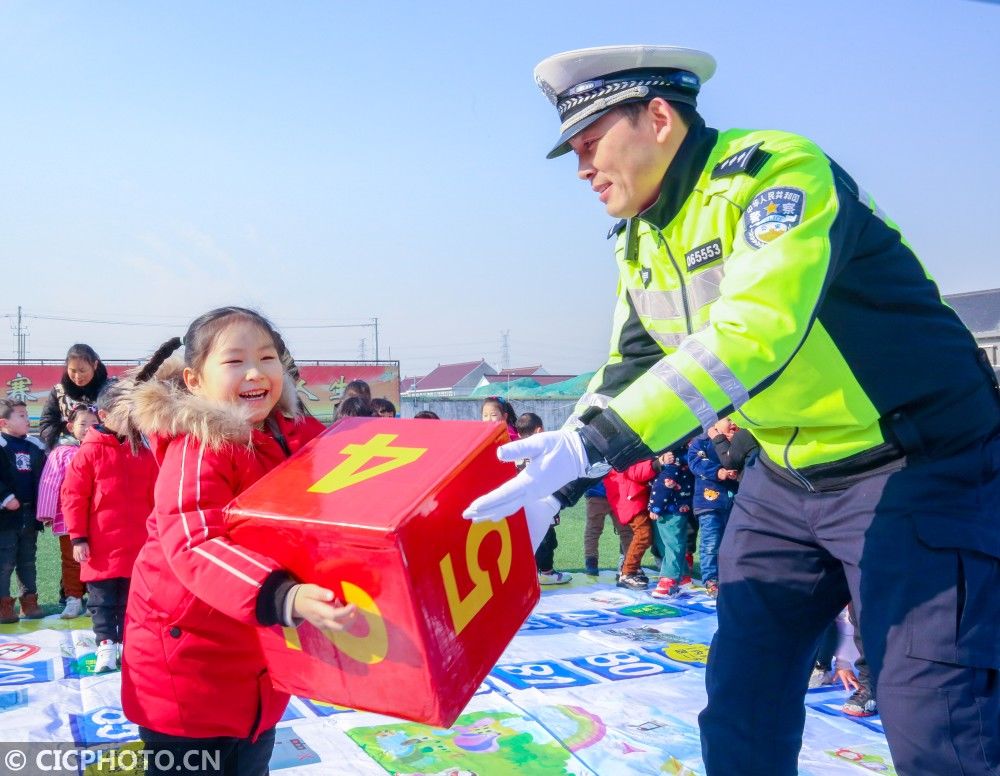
(703, 254)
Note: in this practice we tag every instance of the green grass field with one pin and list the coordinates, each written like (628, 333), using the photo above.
(49, 571)
(569, 554)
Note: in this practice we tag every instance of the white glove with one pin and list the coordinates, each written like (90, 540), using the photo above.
(555, 458)
(539, 515)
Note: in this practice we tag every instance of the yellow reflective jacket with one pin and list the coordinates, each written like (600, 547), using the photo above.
(765, 283)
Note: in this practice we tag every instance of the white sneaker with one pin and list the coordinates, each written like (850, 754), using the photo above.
(107, 657)
(74, 608)
(554, 578)
(820, 678)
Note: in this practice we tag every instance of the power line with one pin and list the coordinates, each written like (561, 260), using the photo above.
(102, 322)
(70, 319)
(334, 326)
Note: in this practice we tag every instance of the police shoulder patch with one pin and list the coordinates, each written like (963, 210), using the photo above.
(616, 230)
(771, 213)
(748, 161)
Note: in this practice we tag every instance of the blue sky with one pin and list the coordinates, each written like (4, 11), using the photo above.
(332, 162)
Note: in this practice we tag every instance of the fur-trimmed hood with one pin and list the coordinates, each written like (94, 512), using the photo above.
(164, 407)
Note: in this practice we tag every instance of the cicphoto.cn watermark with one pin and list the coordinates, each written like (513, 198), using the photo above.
(33, 758)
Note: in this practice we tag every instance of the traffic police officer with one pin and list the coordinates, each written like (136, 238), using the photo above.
(758, 278)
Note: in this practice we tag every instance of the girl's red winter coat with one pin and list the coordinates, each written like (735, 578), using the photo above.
(192, 664)
(106, 496)
(628, 491)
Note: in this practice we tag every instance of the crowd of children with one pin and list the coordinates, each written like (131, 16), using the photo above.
(137, 476)
(659, 505)
(93, 489)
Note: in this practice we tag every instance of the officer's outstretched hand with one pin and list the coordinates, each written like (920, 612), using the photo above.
(554, 458)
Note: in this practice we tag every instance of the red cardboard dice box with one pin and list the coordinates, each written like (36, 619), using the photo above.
(372, 509)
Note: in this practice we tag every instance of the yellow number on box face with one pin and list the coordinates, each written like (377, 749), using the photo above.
(464, 609)
(349, 472)
(370, 648)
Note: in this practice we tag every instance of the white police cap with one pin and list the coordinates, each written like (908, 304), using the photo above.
(587, 83)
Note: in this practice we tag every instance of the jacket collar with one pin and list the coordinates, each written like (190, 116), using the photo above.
(682, 175)
(102, 435)
(4, 436)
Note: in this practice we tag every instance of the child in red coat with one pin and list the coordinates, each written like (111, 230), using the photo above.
(193, 672)
(106, 496)
(628, 495)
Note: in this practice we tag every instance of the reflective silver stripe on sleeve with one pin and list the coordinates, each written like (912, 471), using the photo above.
(869, 202)
(657, 304)
(667, 339)
(703, 288)
(722, 374)
(686, 392)
(594, 400)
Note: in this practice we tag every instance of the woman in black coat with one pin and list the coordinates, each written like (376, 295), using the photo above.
(83, 379)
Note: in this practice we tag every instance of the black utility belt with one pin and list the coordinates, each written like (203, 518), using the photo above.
(839, 475)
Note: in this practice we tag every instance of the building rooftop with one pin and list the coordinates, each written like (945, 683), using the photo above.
(979, 310)
(445, 376)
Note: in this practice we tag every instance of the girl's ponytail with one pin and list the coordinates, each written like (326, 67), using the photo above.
(156, 360)
(119, 402)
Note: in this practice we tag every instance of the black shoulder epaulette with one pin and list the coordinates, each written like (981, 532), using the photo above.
(749, 161)
(617, 229)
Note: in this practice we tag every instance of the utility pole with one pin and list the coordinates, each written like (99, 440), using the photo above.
(361, 350)
(20, 338)
(376, 337)
(505, 350)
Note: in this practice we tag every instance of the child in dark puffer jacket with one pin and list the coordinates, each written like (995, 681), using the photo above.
(669, 508)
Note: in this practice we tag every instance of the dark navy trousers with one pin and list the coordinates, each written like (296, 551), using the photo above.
(546, 552)
(223, 756)
(106, 599)
(917, 548)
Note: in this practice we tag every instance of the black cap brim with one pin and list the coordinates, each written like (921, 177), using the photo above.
(562, 145)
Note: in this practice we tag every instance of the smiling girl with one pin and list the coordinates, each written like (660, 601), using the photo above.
(193, 674)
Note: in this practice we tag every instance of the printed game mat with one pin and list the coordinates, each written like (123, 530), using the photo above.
(599, 680)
